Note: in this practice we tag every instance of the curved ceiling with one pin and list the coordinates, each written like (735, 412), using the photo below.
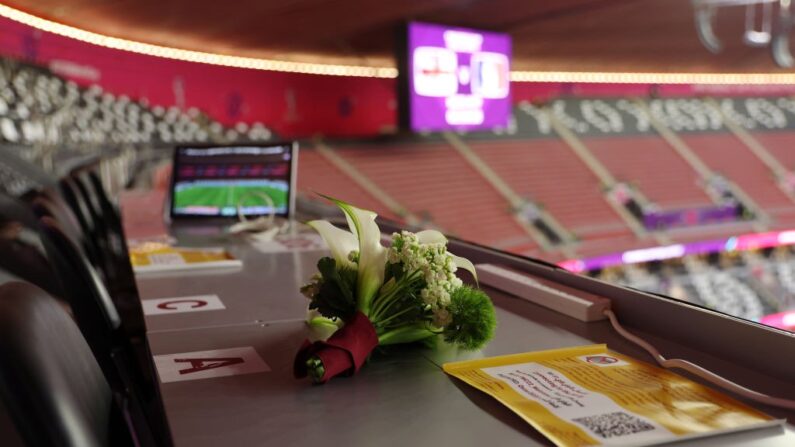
(561, 35)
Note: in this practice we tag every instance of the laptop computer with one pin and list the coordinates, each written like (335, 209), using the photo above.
(212, 184)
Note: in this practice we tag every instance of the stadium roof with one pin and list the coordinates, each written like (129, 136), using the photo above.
(562, 35)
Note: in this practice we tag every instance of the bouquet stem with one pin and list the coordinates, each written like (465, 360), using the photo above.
(405, 334)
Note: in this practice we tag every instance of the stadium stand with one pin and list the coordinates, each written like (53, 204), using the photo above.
(534, 161)
(38, 107)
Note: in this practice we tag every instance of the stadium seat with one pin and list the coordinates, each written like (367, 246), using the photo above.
(55, 391)
(22, 254)
(125, 361)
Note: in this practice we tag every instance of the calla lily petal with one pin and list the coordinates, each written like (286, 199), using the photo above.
(372, 255)
(466, 264)
(431, 237)
(320, 327)
(339, 241)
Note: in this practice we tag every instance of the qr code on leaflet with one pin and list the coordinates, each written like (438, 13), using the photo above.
(619, 423)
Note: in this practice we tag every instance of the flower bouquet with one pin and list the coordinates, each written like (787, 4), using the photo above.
(368, 295)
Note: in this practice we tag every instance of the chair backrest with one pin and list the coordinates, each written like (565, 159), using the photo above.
(50, 382)
(22, 254)
(110, 257)
(70, 193)
(121, 280)
(51, 203)
(108, 209)
(87, 194)
(83, 289)
(125, 358)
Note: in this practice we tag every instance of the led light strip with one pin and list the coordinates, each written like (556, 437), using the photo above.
(193, 56)
(380, 72)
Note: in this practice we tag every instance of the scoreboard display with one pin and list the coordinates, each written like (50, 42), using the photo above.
(454, 78)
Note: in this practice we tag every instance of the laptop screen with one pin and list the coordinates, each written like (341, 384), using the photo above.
(213, 181)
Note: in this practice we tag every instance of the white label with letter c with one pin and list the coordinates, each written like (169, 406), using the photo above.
(162, 306)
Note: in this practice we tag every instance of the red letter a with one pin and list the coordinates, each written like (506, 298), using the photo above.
(205, 364)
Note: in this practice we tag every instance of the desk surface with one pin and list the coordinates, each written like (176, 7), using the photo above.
(265, 289)
(400, 399)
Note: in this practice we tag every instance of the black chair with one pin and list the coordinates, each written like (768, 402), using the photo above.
(118, 272)
(88, 195)
(109, 212)
(48, 202)
(22, 252)
(120, 279)
(69, 192)
(92, 307)
(94, 238)
(50, 383)
(125, 359)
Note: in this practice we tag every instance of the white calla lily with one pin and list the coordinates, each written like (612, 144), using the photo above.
(339, 241)
(466, 264)
(364, 236)
(372, 255)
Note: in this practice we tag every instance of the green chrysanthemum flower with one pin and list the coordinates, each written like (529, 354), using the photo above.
(473, 318)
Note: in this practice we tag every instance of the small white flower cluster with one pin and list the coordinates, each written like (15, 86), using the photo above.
(435, 265)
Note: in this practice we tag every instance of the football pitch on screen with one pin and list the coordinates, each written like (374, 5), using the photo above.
(228, 196)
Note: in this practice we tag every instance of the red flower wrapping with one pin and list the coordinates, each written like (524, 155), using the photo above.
(343, 353)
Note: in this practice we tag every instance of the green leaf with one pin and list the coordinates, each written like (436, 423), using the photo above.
(335, 299)
(406, 334)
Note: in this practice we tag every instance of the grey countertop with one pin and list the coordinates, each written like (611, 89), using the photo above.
(402, 398)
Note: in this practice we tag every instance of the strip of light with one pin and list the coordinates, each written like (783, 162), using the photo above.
(381, 72)
(193, 56)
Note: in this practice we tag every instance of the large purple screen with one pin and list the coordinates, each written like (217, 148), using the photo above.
(458, 78)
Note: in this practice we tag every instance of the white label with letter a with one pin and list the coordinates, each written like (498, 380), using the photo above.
(209, 364)
(162, 306)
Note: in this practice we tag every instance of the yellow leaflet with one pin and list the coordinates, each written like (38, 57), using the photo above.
(154, 254)
(592, 396)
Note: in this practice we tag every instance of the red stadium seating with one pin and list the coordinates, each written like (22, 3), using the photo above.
(781, 144)
(726, 155)
(318, 175)
(652, 166)
(548, 172)
(432, 178)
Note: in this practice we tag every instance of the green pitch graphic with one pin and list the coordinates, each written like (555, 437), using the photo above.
(228, 196)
